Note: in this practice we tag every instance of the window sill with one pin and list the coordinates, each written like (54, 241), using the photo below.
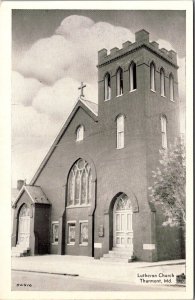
(133, 91)
(119, 95)
(78, 206)
(153, 91)
(55, 243)
(172, 100)
(72, 244)
(163, 96)
(84, 244)
(107, 99)
(120, 148)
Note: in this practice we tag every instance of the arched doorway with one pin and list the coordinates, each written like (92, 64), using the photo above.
(122, 223)
(24, 226)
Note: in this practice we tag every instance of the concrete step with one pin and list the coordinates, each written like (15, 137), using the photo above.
(115, 249)
(114, 259)
(117, 254)
(19, 251)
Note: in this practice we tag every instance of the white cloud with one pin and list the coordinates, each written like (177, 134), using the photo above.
(24, 89)
(47, 59)
(27, 122)
(165, 44)
(58, 100)
(72, 24)
(72, 50)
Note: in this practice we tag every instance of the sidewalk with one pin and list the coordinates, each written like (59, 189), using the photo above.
(88, 267)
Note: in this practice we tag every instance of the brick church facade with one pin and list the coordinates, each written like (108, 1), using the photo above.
(90, 194)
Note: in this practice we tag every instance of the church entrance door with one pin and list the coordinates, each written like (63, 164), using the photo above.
(24, 226)
(122, 223)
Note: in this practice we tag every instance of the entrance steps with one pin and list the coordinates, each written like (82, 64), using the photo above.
(20, 250)
(118, 255)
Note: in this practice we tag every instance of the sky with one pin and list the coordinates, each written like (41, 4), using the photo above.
(53, 51)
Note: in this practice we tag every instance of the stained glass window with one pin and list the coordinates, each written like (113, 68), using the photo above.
(123, 203)
(25, 211)
(80, 184)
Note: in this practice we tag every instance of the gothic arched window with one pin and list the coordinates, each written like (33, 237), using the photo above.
(119, 82)
(164, 131)
(80, 133)
(120, 132)
(171, 87)
(107, 87)
(132, 77)
(152, 77)
(162, 82)
(80, 184)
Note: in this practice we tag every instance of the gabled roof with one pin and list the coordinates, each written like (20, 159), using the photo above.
(91, 105)
(35, 193)
(14, 194)
(90, 108)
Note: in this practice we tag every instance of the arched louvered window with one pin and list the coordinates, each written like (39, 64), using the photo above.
(132, 77)
(162, 82)
(80, 184)
(119, 82)
(107, 87)
(171, 87)
(152, 77)
(120, 131)
(80, 133)
(164, 131)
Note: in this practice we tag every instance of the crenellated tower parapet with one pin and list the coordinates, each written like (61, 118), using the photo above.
(141, 40)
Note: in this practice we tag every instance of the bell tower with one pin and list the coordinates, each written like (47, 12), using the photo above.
(138, 100)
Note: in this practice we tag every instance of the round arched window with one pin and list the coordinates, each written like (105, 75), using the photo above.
(80, 133)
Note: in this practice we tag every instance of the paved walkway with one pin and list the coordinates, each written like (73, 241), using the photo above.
(88, 267)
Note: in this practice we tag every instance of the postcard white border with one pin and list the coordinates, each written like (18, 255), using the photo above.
(5, 144)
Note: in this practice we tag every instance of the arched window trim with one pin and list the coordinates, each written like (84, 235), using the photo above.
(162, 82)
(132, 77)
(107, 86)
(120, 131)
(153, 77)
(119, 82)
(80, 133)
(171, 87)
(163, 121)
(79, 192)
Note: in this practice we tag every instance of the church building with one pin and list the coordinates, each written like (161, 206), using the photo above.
(90, 195)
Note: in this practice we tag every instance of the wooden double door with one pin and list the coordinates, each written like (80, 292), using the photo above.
(122, 223)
